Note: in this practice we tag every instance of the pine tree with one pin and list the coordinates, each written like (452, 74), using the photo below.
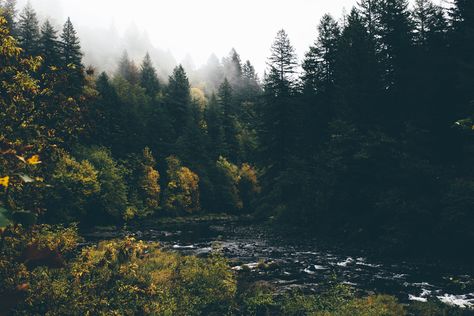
(250, 84)
(368, 10)
(319, 64)
(215, 128)
(226, 103)
(28, 32)
(49, 46)
(358, 80)
(148, 78)
(71, 57)
(233, 69)
(277, 129)
(282, 66)
(395, 31)
(178, 100)
(71, 48)
(128, 70)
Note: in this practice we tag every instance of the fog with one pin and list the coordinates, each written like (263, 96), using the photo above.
(187, 31)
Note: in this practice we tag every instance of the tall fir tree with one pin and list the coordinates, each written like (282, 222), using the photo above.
(28, 31)
(71, 57)
(128, 70)
(227, 104)
(148, 78)
(250, 83)
(233, 69)
(215, 128)
(277, 128)
(178, 100)
(49, 46)
(359, 86)
(319, 63)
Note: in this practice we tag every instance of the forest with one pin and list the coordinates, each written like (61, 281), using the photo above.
(366, 143)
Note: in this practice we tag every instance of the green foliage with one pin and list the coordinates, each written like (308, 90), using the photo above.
(75, 184)
(112, 197)
(119, 277)
(91, 188)
(182, 191)
(228, 182)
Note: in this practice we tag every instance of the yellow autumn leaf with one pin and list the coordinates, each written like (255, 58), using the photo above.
(34, 160)
(5, 181)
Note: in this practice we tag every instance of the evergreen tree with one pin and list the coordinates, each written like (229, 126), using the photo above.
(395, 31)
(395, 53)
(215, 127)
(178, 100)
(319, 64)
(282, 67)
(233, 69)
(226, 103)
(368, 12)
(148, 78)
(277, 128)
(71, 56)
(49, 46)
(128, 70)
(250, 84)
(358, 80)
(28, 32)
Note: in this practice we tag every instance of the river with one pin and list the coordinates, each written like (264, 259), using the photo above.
(289, 262)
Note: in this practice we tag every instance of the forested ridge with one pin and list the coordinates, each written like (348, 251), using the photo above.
(369, 138)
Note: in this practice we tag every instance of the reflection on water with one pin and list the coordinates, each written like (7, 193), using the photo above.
(258, 254)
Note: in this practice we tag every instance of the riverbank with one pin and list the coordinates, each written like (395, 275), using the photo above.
(287, 260)
(47, 269)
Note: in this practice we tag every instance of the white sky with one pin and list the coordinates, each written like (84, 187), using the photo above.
(201, 27)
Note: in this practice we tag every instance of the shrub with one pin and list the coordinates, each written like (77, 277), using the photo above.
(73, 185)
(182, 191)
(118, 277)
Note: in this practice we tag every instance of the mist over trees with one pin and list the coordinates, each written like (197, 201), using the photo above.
(368, 138)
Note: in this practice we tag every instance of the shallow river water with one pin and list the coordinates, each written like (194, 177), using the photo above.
(294, 262)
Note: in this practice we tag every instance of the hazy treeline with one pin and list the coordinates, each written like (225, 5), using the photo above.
(371, 140)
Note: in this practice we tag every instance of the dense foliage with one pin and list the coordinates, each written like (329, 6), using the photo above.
(369, 140)
(44, 271)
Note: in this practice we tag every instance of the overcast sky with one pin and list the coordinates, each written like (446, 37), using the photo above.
(199, 27)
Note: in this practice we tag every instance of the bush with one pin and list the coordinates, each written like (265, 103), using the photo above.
(228, 181)
(111, 202)
(118, 277)
(182, 191)
(73, 186)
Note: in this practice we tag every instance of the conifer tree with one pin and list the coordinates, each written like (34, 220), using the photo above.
(233, 69)
(148, 78)
(226, 103)
(357, 76)
(49, 46)
(128, 70)
(28, 32)
(319, 64)
(71, 57)
(215, 127)
(178, 100)
(250, 84)
(277, 129)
